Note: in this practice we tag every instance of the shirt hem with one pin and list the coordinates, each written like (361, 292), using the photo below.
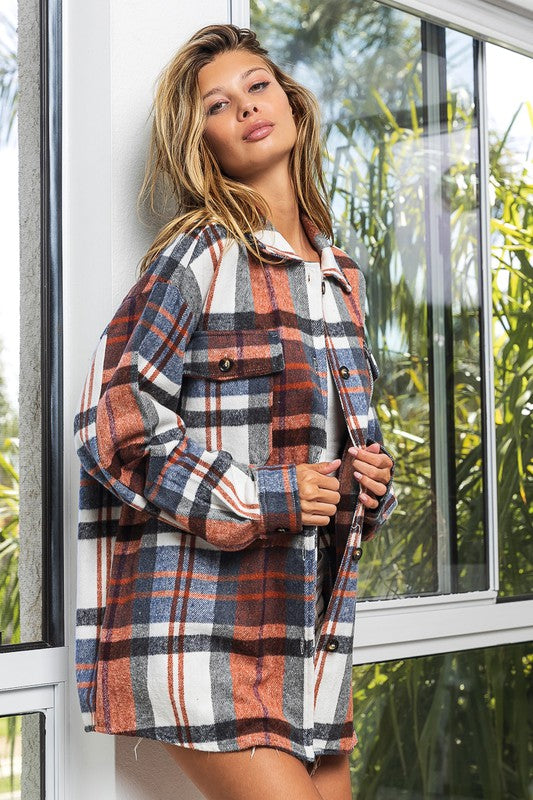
(245, 742)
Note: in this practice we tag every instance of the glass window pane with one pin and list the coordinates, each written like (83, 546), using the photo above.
(447, 726)
(20, 333)
(400, 112)
(21, 741)
(510, 111)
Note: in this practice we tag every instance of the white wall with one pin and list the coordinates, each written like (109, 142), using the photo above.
(113, 53)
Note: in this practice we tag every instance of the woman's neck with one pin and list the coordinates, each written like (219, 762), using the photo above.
(279, 193)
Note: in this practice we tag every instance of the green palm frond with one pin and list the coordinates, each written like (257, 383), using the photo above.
(8, 78)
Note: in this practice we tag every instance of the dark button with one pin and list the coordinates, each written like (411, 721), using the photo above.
(323, 287)
(357, 553)
(281, 530)
(332, 645)
(225, 364)
(344, 372)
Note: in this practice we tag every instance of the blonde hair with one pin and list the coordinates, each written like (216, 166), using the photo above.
(181, 160)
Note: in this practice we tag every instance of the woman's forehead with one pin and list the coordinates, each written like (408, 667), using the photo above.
(233, 66)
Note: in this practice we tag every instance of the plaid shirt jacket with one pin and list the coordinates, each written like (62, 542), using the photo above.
(196, 578)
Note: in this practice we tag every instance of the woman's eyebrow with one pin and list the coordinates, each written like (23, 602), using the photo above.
(243, 77)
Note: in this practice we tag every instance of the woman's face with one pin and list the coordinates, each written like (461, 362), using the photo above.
(249, 123)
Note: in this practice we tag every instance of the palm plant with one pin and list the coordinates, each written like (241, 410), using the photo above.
(453, 725)
(9, 544)
(9, 576)
(9, 480)
(9, 497)
(8, 78)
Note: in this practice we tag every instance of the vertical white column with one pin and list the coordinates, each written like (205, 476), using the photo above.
(113, 53)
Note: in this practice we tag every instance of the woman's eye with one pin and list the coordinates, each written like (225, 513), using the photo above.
(216, 107)
(261, 83)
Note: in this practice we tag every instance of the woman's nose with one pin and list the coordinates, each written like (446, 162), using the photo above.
(246, 109)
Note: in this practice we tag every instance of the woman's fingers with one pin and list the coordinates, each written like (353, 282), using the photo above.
(323, 509)
(378, 487)
(368, 500)
(315, 520)
(372, 470)
(318, 491)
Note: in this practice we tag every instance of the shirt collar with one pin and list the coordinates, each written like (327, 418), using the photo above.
(271, 242)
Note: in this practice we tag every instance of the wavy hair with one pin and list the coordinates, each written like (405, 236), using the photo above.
(180, 163)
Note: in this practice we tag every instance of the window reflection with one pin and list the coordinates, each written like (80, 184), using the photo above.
(510, 113)
(21, 739)
(9, 331)
(20, 330)
(400, 110)
(446, 726)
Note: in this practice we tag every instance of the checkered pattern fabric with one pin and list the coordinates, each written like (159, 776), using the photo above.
(196, 578)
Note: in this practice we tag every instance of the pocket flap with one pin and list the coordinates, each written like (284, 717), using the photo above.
(226, 355)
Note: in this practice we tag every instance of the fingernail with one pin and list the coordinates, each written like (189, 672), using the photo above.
(358, 475)
(353, 450)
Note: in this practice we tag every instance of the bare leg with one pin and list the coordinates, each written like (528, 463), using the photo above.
(273, 774)
(268, 774)
(332, 777)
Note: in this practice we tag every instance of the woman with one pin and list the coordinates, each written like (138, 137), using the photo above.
(231, 459)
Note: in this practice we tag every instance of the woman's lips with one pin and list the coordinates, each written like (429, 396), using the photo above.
(259, 133)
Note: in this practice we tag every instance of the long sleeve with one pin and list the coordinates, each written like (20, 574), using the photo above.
(131, 438)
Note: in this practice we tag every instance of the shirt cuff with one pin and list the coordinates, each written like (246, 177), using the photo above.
(279, 499)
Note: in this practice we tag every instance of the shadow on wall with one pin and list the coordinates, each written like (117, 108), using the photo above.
(152, 775)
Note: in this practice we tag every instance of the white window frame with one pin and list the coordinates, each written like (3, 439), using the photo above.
(417, 626)
(34, 681)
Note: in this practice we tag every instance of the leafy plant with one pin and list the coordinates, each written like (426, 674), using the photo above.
(9, 545)
(8, 78)
(453, 725)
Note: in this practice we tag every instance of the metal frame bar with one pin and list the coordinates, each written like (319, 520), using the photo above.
(51, 323)
(490, 478)
(505, 24)
(440, 342)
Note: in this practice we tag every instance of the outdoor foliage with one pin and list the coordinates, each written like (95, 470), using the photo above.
(454, 725)
(8, 78)
(9, 480)
(9, 544)
(512, 295)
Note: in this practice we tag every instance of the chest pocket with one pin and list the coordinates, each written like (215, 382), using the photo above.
(227, 390)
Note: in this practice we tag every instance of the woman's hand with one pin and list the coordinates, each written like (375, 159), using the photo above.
(373, 471)
(319, 494)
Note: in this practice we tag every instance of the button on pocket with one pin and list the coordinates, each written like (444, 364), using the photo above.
(227, 391)
(225, 364)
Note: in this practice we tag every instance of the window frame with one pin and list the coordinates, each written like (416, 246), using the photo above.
(414, 626)
(25, 689)
(53, 606)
